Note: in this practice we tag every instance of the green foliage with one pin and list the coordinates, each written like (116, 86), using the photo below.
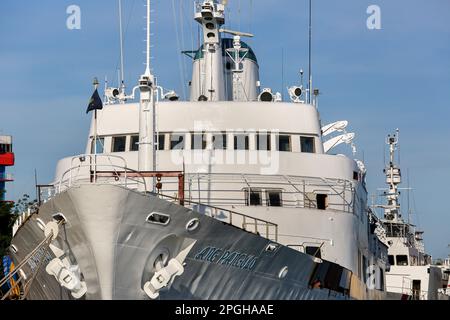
(6, 223)
(23, 204)
(8, 213)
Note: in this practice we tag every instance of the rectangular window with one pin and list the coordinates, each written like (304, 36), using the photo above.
(5, 148)
(365, 269)
(219, 141)
(402, 260)
(161, 141)
(198, 141)
(118, 144)
(284, 143)
(134, 143)
(100, 145)
(307, 144)
(391, 260)
(381, 280)
(273, 198)
(263, 141)
(176, 141)
(322, 202)
(314, 251)
(253, 197)
(241, 142)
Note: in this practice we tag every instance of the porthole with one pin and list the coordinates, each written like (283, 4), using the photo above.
(283, 273)
(59, 217)
(13, 249)
(271, 247)
(193, 224)
(40, 223)
(158, 218)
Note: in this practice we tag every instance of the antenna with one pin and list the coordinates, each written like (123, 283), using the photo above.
(122, 82)
(147, 68)
(310, 54)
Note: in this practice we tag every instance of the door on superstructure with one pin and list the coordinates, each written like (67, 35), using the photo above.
(416, 289)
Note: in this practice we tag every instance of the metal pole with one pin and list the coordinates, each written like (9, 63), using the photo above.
(147, 71)
(122, 83)
(310, 54)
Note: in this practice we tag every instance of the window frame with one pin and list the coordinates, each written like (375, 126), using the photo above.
(278, 138)
(268, 201)
(246, 139)
(313, 144)
(136, 144)
(102, 144)
(401, 255)
(113, 144)
(204, 140)
(268, 141)
(177, 143)
(224, 140)
(248, 196)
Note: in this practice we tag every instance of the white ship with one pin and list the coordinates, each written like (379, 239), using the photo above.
(411, 271)
(234, 194)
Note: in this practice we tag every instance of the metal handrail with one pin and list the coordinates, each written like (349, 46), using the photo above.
(254, 221)
(71, 179)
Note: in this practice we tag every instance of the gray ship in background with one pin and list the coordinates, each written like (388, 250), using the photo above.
(234, 194)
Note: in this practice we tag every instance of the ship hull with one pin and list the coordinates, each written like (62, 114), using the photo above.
(108, 236)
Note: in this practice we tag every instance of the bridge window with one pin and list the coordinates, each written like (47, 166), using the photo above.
(241, 142)
(176, 141)
(118, 144)
(198, 141)
(253, 197)
(100, 145)
(273, 198)
(263, 141)
(402, 260)
(307, 144)
(219, 141)
(284, 143)
(4, 148)
(134, 143)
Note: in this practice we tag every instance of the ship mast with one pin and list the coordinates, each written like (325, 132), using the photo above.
(147, 119)
(393, 179)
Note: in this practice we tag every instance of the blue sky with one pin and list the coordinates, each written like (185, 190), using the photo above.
(378, 80)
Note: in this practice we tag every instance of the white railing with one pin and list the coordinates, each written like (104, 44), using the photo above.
(86, 169)
(296, 192)
(21, 218)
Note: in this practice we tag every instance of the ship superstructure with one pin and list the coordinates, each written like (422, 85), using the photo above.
(411, 271)
(6, 160)
(234, 194)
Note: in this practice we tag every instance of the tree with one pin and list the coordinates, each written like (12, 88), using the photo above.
(6, 223)
(23, 204)
(8, 214)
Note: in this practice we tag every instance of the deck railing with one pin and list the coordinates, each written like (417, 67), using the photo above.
(251, 224)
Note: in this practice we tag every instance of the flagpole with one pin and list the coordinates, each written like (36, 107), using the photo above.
(96, 83)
